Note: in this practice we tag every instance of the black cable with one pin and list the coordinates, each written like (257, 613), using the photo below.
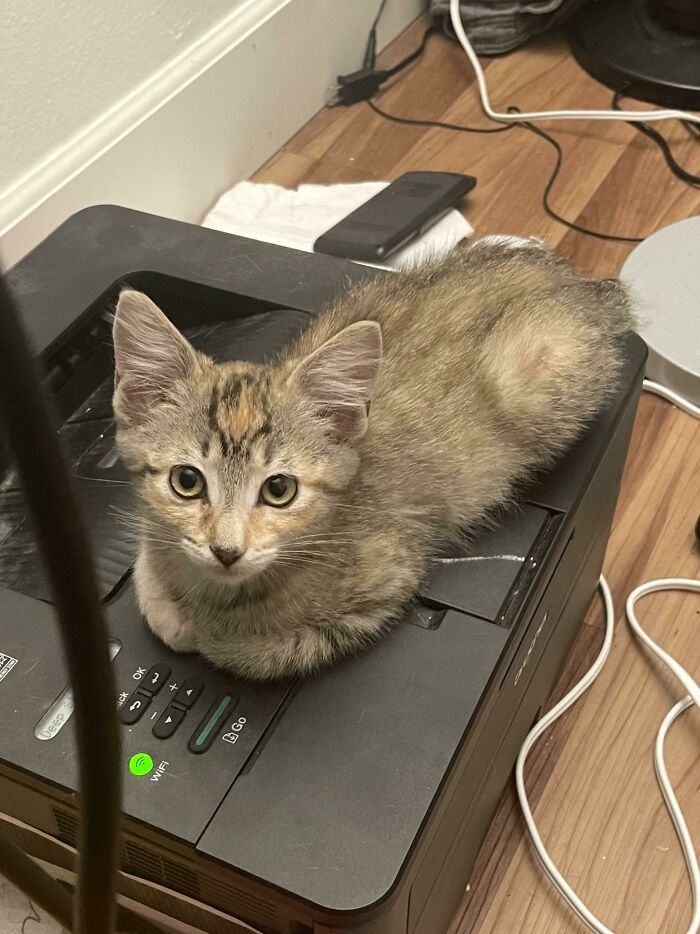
(440, 124)
(371, 47)
(33, 917)
(599, 235)
(36, 884)
(661, 142)
(415, 54)
(363, 84)
(66, 556)
(379, 14)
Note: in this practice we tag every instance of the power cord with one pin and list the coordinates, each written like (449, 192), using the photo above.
(690, 687)
(644, 116)
(546, 204)
(26, 875)
(363, 85)
(371, 47)
(440, 124)
(684, 404)
(66, 556)
(658, 139)
(572, 225)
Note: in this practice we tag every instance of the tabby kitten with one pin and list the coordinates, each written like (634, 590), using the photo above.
(290, 509)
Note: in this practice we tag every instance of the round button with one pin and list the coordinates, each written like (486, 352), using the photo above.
(140, 764)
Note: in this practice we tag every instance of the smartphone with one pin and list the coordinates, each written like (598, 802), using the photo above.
(395, 216)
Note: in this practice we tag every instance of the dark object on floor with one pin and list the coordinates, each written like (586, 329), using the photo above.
(357, 799)
(649, 48)
(498, 26)
(395, 216)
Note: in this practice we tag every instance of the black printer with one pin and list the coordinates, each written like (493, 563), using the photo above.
(355, 800)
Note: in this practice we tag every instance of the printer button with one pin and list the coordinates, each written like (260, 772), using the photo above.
(168, 722)
(208, 729)
(155, 679)
(189, 692)
(134, 708)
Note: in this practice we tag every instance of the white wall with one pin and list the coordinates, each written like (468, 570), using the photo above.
(65, 63)
(159, 105)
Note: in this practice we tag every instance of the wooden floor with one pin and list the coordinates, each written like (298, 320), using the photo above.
(592, 778)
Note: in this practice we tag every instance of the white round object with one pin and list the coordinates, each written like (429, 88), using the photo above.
(664, 273)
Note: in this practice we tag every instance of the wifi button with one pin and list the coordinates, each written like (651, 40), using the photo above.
(140, 764)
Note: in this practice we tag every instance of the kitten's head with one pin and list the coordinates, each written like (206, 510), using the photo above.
(238, 465)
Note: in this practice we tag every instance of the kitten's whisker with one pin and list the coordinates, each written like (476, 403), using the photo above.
(416, 514)
(138, 523)
(328, 534)
(319, 558)
(103, 480)
(183, 596)
(141, 530)
(323, 539)
(317, 544)
(157, 541)
(305, 551)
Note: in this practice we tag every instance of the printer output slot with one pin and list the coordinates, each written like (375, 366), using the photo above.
(529, 570)
(490, 576)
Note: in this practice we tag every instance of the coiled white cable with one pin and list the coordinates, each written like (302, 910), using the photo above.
(693, 689)
(689, 685)
(645, 116)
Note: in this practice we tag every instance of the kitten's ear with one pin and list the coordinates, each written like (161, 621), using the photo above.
(150, 354)
(339, 377)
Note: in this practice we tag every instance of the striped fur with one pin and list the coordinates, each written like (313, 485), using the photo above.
(407, 413)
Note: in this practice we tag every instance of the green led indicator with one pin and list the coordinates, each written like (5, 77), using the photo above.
(140, 764)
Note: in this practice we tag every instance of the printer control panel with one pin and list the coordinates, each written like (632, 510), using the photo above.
(188, 730)
(175, 710)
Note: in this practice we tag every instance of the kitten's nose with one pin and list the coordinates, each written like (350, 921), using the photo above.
(227, 556)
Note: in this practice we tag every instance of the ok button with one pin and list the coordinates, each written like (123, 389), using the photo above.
(155, 679)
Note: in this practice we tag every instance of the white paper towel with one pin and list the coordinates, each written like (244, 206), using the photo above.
(297, 218)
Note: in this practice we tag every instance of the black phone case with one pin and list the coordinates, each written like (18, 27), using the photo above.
(395, 216)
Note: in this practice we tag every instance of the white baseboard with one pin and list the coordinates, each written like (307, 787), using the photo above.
(210, 118)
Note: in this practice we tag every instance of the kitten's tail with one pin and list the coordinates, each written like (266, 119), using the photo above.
(555, 354)
(616, 306)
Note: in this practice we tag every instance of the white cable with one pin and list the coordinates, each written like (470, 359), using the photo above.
(630, 115)
(693, 690)
(671, 396)
(690, 686)
(549, 718)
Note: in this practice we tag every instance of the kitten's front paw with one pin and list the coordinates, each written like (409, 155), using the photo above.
(169, 623)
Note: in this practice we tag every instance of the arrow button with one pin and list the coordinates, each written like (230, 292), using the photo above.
(169, 721)
(189, 692)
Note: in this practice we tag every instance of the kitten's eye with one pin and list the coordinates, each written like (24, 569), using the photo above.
(187, 482)
(279, 490)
